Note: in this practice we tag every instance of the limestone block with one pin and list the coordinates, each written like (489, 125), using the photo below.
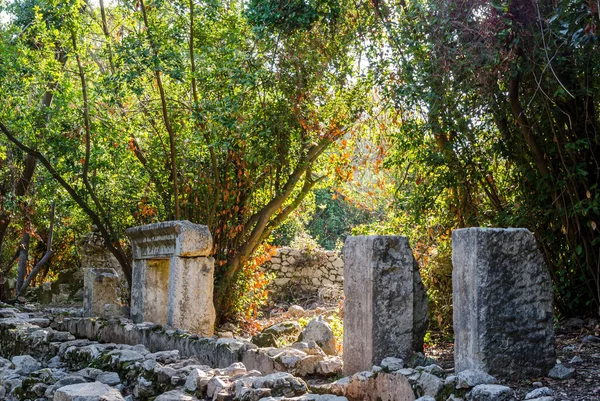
(502, 296)
(385, 312)
(170, 238)
(87, 392)
(100, 288)
(172, 276)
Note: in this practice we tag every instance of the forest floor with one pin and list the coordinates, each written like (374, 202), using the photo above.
(576, 338)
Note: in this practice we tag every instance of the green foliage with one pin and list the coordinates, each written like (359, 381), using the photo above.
(497, 122)
(334, 218)
(205, 108)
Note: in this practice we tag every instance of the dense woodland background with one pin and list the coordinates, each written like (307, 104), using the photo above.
(301, 121)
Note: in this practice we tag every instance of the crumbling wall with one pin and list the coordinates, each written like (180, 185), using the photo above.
(312, 270)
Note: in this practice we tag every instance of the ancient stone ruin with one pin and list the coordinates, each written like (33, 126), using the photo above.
(503, 319)
(173, 276)
(311, 271)
(99, 291)
(503, 326)
(385, 312)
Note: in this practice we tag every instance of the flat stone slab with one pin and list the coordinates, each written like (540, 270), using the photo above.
(95, 391)
(170, 238)
(502, 299)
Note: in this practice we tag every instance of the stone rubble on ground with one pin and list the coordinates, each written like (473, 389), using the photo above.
(539, 392)
(44, 369)
(53, 365)
(561, 372)
(319, 331)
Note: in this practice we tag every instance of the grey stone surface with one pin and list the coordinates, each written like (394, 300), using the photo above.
(392, 364)
(502, 297)
(100, 288)
(561, 372)
(471, 377)
(175, 395)
(320, 332)
(386, 304)
(490, 392)
(110, 378)
(25, 364)
(87, 392)
(173, 276)
(539, 392)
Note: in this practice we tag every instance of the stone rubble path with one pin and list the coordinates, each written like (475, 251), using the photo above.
(40, 363)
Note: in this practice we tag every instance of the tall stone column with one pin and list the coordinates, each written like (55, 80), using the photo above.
(385, 311)
(172, 281)
(502, 296)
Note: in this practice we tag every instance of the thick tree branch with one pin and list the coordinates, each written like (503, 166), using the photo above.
(45, 258)
(115, 248)
(165, 113)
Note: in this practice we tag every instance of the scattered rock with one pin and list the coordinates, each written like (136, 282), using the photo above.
(430, 385)
(25, 364)
(471, 377)
(490, 392)
(590, 339)
(576, 360)
(87, 392)
(278, 334)
(319, 331)
(175, 395)
(539, 392)
(572, 323)
(561, 372)
(296, 311)
(391, 364)
(110, 378)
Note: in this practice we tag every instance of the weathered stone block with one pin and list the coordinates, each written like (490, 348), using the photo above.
(173, 276)
(502, 296)
(100, 288)
(385, 312)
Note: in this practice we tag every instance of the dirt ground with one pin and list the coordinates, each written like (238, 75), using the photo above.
(576, 337)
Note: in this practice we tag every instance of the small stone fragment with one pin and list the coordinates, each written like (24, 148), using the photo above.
(110, 378)
(539, 392)
(472, 377)
(175, 395)
(214, 387)
(561, 372)
(429, 384)
(490, 392)
(320, 332)
(25, 364)
(576, 360)
(296, 311)
(391, 364)
(87, 392)
(590, 339)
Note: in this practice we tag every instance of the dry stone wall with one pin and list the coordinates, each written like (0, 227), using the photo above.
(311, 270)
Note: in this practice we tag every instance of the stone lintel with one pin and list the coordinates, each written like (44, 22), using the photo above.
(170, 238)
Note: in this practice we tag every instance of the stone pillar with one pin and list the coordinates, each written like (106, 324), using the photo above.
(385, 311)
(173, 276)
(99, 289)
(502, 296)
